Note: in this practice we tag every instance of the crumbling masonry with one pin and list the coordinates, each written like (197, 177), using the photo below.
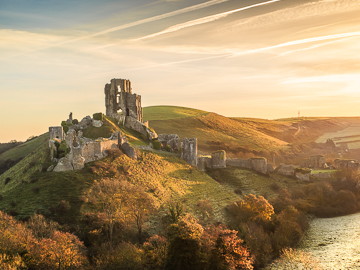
(118, 96)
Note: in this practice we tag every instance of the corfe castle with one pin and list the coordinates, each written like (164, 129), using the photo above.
(119, 97)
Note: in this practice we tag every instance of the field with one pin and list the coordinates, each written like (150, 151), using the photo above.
(348, 137)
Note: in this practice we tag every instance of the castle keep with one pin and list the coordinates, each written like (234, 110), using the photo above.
(118, 96)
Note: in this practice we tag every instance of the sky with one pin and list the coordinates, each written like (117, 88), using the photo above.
(239, 58)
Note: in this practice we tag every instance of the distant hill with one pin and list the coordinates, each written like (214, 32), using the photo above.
(238, 135)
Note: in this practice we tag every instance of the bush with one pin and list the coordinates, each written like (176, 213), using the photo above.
(75, 121)
(168, 148)
(7, 180)
(98, 116)
(156, 144)
(238, 191)
(1, 197)
(275, 186)
(65, 126)
(36, 190)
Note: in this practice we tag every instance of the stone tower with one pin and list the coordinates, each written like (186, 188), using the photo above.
(118, 96)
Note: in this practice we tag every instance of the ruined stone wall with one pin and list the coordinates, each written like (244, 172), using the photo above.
(238, 162)
(189, 151)
(204, 162)
(286, 170)
(218, 159)
(118, 96)
(259, 164)
(56, 132)
(315, 162)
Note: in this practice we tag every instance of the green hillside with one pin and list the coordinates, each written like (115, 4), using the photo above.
(169, 112)
(24, 149)
(239, 134)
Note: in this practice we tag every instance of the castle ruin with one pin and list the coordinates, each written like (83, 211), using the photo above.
(118, 96)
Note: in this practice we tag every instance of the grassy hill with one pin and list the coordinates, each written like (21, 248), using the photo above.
(24, 149)
(217, 132)
(25, 190)
(169, 112)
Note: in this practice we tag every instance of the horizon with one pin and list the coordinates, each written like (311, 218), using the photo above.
(251, 59)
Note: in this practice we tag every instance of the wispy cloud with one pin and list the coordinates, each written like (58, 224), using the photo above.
(159, 17)
(203, 20)
(318, 45)
(128, 25)
(301, 41)
(312, 9)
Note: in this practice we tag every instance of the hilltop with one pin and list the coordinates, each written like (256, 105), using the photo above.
(241, 136)
(167, 190)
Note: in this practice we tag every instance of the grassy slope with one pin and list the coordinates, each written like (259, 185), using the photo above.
(24, 149)
(163, 175)
(169, 112)
(212, 130)
(7, 146)
(216, 132)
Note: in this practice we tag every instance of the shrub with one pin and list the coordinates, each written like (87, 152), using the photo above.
(1, 197)
(98, 116)
(36, 190)
(156, 144)
(238, 191)
(12, 204)
(168, 148)
(75, 121)
(65, 126)
(275, 186)
(32, 163)
(7, 180)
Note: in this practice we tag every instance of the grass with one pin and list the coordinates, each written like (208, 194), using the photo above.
(323, 171)
(7, 146)
(169, 112)
(216, 132)
(24, 149)
(249, 182)
(163, 175)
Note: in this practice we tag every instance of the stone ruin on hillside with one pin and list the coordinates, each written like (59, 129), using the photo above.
(119, 96)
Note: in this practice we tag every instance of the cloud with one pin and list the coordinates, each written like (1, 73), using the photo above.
(318, 45)
(159, 17)
(312, 9)
(203, 20)
(301, 41)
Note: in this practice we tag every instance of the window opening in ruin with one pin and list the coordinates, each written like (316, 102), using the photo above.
(120, 112)
(118, 98)
(57, 137)
(127, 112)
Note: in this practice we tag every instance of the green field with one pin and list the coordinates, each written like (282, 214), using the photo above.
(169, 112)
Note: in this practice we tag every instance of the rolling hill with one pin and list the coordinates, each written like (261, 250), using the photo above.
(238, 135)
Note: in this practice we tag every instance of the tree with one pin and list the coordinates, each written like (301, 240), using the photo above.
(42, 228)
(124, 256)
(252, 208)
(109, 197)
(229, 253)
(62, 251)
(155, 249)
(140, 205)
(184, 248)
